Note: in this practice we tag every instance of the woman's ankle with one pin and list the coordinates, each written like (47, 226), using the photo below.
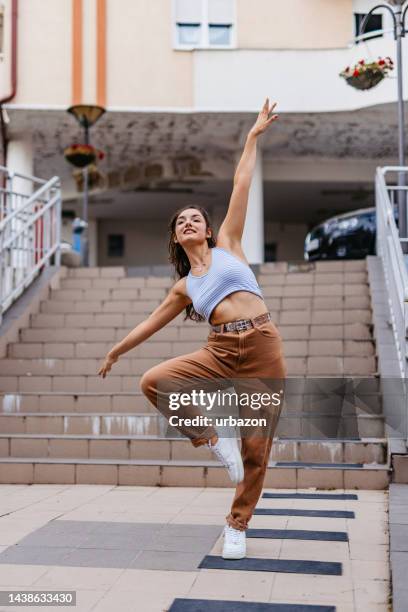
(214, 439)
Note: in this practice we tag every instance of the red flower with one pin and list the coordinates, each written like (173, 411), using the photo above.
(381, 62)
(362, 62)
(356, 73)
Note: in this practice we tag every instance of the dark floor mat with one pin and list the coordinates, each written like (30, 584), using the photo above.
(298, 534)
(216, 605)
(292, 512)
(310, 496)
(254, 564)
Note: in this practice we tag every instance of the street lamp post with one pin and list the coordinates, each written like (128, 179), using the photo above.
(398, 18)
(86, 115)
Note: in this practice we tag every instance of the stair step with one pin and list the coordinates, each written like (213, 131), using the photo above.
(173, 348)
(124, 319)
(151, 447)
(293, 331)
(85, 368)
(280, 303)
(271, 268)
(181, 473)
(362, 426)
(136, 402)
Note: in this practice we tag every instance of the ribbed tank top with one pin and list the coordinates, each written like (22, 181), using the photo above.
(226, 274)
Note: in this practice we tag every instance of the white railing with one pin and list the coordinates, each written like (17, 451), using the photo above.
(30, 231)
(395, 263)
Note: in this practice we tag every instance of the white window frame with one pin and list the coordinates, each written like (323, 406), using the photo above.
(205, 31)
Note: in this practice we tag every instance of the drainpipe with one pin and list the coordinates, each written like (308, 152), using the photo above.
(4, 138)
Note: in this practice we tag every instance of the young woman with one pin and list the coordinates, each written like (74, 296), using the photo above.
(216, 284)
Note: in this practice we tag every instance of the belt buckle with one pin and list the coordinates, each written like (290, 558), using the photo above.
(241, 325)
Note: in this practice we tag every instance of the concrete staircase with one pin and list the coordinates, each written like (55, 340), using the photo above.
(61, 423)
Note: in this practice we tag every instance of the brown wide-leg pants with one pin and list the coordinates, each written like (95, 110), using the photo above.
(254, 360)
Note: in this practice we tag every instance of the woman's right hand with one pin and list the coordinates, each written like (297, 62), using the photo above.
(107, 364)
(263, 120)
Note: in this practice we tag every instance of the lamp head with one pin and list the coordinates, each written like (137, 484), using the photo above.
(86, 114)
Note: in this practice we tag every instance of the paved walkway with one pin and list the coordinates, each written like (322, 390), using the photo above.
(148, 549)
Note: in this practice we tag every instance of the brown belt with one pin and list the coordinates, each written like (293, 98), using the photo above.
(242, 324)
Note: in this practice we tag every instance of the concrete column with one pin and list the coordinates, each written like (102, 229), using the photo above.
(93, 242)
(253, 236)
(20, 159)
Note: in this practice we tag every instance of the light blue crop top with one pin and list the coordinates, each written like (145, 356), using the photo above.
(226, 274)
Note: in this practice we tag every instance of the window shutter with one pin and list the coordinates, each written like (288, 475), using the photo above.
(220, 11)
(188, 11)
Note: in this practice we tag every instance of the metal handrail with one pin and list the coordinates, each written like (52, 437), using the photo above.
(394, 262)
(30, 231)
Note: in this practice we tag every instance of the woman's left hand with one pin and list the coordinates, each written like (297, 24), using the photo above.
(264, 121)
(107, 365)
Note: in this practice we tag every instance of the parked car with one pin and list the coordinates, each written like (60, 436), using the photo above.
(351, 235)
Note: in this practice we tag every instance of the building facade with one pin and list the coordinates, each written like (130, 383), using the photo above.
(182, 82)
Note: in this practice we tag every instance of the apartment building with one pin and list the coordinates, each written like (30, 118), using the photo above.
(182, 82)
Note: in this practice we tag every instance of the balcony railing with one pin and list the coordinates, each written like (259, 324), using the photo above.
(389, 247)
(30, 230)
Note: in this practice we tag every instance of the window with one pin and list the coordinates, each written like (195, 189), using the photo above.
(374, 23)
(116, 245)
(204, 23)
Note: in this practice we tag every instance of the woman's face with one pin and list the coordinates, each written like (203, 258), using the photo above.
(190, 227)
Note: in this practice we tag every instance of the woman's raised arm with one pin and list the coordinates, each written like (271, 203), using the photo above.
(231, 230)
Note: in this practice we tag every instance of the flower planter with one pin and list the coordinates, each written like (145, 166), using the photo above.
(366, 80)
(81, 156)
(367, 75)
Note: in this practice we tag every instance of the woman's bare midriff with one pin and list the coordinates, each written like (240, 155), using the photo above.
(238, 305)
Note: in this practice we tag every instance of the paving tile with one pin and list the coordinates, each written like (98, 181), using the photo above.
(368, 592)
(24, 575)
(81, 577)
(202, 531)
(224, 584)
(125, 600)
(316, 523)
(369, 552)
(35, 555)
(399, 537)
(100, 557)
(178, 543)
(167, 560)
(143, 582)
(313, 588)
(314, 550)
(370, 570)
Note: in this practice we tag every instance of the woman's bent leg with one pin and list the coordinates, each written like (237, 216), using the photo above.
(181, 374)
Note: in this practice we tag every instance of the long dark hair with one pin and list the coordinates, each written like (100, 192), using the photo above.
(178, 257)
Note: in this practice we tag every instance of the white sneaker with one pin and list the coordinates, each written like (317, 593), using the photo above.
(234, 543)
(227, 451)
